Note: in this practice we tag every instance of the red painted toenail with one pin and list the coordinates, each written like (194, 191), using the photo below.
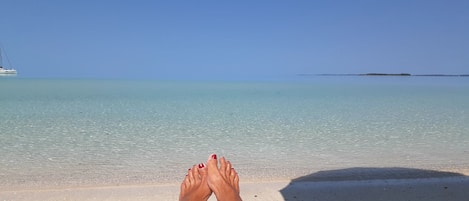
(201, 165)
(214, 156)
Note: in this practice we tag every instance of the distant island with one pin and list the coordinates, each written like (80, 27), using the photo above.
(389, 74)
(385, 74)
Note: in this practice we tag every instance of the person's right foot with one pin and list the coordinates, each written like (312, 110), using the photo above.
(223, 181)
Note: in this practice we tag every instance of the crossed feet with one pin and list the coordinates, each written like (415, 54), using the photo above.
(201, 180)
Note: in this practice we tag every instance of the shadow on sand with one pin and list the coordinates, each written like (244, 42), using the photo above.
(378, 184)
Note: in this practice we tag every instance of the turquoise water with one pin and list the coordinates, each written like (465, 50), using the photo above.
(115, 132)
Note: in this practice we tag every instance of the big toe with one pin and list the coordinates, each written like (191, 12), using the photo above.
(212, 162)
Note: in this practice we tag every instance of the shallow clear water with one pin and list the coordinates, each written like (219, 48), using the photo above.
(105, 132)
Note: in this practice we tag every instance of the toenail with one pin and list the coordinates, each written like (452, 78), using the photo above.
(201, 165)
(214, 156)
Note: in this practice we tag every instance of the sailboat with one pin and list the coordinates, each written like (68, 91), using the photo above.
(5, 71)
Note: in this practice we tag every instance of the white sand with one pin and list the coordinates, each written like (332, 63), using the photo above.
(250, 191)
(364, 184)
(431, 189)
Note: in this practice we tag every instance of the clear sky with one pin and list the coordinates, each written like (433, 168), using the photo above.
(233, 39)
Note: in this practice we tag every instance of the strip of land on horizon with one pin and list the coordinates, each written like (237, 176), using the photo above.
(387, 74)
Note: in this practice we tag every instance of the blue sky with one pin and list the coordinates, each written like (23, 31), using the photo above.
(233, 39)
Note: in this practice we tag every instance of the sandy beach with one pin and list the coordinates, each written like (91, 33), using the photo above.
(344, 184)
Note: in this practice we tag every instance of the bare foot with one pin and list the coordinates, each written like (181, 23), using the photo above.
(194, 187)
(223, 181)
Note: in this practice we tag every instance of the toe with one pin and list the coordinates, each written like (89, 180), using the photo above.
(236, 180)
(228, 168)
(196, 174)
(191, 175)
(202, 170)
(223, 166)
(183, 184)
(212, 163)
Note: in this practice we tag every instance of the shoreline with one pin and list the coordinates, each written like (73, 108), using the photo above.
(247, 175)
(341, 184)
(342, 173)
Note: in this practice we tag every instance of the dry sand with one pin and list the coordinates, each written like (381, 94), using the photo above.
(364, 184)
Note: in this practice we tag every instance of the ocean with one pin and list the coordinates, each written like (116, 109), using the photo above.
(92, 132)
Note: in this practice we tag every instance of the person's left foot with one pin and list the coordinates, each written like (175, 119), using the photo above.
(194, 187)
